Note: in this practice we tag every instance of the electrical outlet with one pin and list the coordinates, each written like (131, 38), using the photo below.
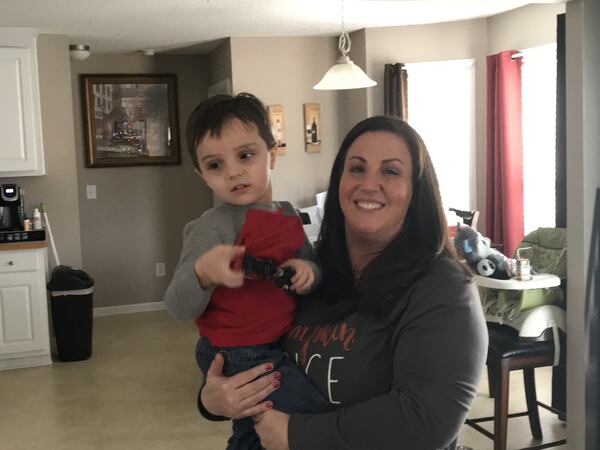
(90, 191)
(160, 269)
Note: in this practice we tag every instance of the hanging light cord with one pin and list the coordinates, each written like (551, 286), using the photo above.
(344, 43)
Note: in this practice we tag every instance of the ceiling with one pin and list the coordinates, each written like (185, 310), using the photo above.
(190, 26)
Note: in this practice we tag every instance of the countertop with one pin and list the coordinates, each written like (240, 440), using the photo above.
(23, 245)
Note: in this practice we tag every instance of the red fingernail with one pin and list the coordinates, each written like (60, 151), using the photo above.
(277, 375)
(269, 404)
(276, 384)
(268, 367)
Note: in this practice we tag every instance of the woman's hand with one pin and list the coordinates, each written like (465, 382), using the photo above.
(241, 395)
(272, 428)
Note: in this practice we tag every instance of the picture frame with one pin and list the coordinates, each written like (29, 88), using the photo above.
(312, 127)
(130, 119)
(277, 122)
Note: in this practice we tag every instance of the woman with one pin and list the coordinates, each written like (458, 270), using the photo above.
(395, 336)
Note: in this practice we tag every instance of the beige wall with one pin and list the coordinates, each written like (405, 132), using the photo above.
(526, 27)
(58, 188)
(434, 42)
(139, 212)
(283, 71)
(219, 63)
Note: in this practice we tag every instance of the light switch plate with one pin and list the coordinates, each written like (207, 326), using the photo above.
(90, 191)
(160, 269)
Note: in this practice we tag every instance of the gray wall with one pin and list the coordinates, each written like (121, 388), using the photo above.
(139, 212)
(583, 177)
(58, 188)
(283, 71)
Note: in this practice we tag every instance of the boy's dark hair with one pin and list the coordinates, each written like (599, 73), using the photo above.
(212, 114)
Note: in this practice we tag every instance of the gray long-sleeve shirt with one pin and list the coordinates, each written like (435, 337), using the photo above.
(405, 381)
(185, 298)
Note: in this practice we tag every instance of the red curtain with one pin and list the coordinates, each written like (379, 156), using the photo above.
(504, 186)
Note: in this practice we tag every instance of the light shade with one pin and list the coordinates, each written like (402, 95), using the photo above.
(344, 75)
(78, 52)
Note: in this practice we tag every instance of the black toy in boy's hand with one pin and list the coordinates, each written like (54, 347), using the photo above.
(283, 278)
(258, 268)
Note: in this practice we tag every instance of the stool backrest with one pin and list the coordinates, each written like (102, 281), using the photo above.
(469, 218)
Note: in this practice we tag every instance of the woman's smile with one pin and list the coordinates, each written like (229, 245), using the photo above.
(369, 205)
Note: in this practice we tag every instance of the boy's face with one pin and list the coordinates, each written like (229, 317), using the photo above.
(237, 165)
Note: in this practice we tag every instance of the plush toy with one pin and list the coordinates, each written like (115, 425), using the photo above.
(476, 250)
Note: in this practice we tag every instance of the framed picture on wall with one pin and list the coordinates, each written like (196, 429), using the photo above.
(277, 121)
(312, 127)
(130, 120)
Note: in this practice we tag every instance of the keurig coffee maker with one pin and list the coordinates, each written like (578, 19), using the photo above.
(12, 215)
(11, 208)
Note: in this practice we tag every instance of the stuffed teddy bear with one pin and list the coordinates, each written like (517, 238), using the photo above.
(486, 261)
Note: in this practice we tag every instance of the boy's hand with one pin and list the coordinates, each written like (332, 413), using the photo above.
(304, 277)
(214, 267)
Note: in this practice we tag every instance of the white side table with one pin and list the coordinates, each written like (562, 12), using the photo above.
(539, 281)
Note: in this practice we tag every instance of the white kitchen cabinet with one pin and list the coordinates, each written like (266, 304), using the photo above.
(21, 152)
(24, 333)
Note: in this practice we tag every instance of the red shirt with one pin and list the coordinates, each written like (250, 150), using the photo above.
(258, 312)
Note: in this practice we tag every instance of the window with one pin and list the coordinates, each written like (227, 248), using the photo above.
(538, 86)
(441, 107)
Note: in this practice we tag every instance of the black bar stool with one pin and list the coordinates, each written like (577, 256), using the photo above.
(507, 352)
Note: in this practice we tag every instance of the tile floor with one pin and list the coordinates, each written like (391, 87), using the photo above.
(137, 391)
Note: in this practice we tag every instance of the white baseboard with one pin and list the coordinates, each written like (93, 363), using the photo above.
(128, 309)
(28, 361)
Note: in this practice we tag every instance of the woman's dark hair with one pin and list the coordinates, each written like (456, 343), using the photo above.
(422, 239)
(212, 114)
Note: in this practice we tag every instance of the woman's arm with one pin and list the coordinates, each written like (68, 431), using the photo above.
(271, 427)
(238, 396)
(438, 356)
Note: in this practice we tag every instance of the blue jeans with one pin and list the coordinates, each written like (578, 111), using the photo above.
(297, 394)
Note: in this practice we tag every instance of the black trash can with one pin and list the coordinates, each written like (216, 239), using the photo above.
(71, 300)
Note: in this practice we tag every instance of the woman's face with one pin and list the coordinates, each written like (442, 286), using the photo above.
(376, 187)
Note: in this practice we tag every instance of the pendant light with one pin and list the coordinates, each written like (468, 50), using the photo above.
(344, 74)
